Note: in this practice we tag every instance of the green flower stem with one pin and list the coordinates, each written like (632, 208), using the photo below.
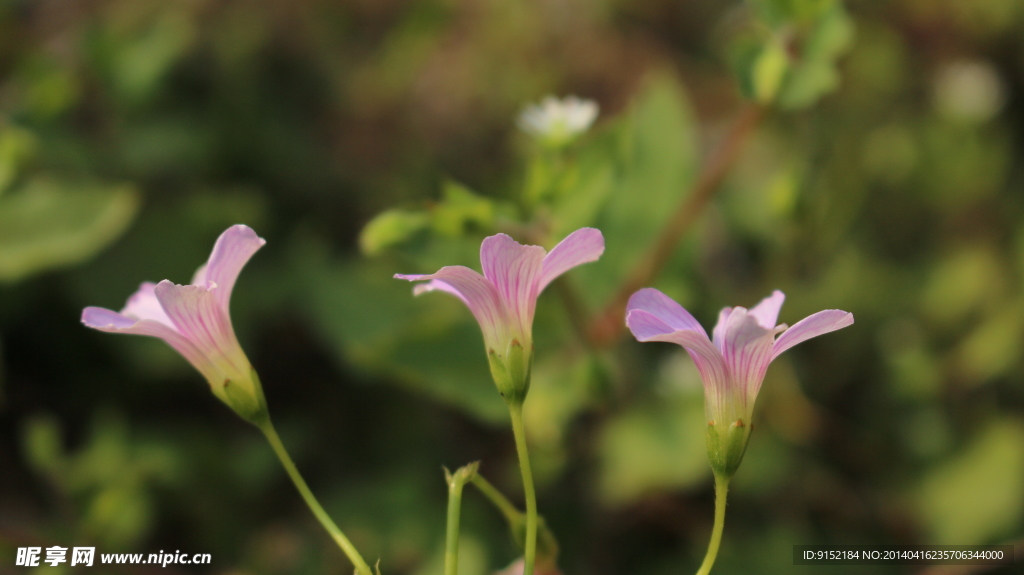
(530, 546)
(451, 542)
(721, 490)
(346, 546)
(498, 499)
(456, 482)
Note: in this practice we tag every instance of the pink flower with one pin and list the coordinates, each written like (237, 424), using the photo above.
(504, 298)
(733, 363)
(195, 321)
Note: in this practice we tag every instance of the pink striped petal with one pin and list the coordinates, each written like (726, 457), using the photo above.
(482, 299)
(514, 270)
(143, 305)
(196, 313)
(767, 312)
(112, 322)
(812, 326)
(718, 333)
(747, 349)
(580, 247)
(646, 326)
(232, 251)
(665, 308)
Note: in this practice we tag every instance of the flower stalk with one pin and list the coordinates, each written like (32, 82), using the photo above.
(456, 481)
(721, 491)
(530, 543)
(362, 568)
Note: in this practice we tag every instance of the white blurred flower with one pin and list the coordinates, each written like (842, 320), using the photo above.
(558, 122)
(969, 90)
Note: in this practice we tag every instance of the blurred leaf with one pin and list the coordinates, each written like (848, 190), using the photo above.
(47, 225)
(656, 446)
(913, 369)
(652, 448)
(43, 445)
(769, 69)
(814, 73)
(977, 496)
(119, 516)
(965, 165)
(963, 282)
(389, 228)
(994, 347)
(788, 12)
(143, 61)
(49, 87)
(461, 210)
(16, 145)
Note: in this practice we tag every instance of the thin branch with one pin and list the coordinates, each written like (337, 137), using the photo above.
(607, 327)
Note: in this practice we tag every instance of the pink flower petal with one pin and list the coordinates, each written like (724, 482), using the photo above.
(196, 313)
(812, 326)
(746, 347)
(474, 290)
(665, 308)
(112, 322)
(649, 327)
(513, 269)
(580, 247)
(143, 305)
(232, 251)
(767, 312)
(718, 333)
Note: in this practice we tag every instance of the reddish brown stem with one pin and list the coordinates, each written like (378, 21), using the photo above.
(607, 327)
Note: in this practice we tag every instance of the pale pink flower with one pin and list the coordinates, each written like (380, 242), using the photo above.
(504, 298)
(194, 319)
(733, 363)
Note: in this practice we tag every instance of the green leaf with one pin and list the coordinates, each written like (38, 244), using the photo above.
(814, 73)
(461, 210)
(142, 63)
(390, 228)
(48, 225)
(16, 145)
(977, 496)
(769, 70)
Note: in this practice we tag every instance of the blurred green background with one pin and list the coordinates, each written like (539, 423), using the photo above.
(884, 177)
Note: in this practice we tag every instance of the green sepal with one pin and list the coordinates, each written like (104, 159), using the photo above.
(511, 371)
(726, 445)
(245, 398)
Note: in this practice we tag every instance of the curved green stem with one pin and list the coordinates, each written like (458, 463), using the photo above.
(530, 546)
(721, 490)
(497, 498)
(346, 546)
